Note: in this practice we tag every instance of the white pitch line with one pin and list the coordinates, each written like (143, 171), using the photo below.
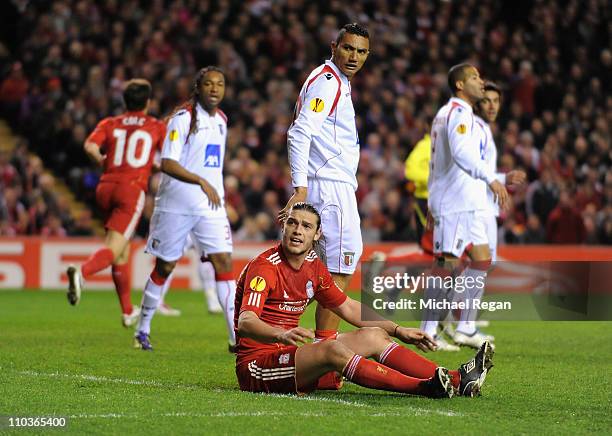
(93, 378)
(416, 410)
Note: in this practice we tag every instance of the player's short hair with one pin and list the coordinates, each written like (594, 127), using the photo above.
(457, 73)
(491, 86)
(353, 29)
(136, 93)
(309, 208)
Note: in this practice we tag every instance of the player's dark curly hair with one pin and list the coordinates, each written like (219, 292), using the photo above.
(457, 73)
(136, 93)
(191, 104)
(490, 86)
(309, 208)
(353, 29)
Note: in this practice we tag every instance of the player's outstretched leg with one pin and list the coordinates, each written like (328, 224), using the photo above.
(314, 360)
(375, 343)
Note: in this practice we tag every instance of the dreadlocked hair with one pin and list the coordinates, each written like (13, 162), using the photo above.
(191, 104)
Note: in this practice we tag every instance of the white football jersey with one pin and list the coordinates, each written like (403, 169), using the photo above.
(490, 157)
(322, 140)
(201, 153)
(457, 161)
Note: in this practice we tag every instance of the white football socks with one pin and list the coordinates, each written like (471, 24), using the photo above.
(151, 298)
(226, 291)
(475, 290)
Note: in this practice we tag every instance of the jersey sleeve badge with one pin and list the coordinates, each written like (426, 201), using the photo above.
(317, 104)
(461, 129)
(173, 135)
(257, 284)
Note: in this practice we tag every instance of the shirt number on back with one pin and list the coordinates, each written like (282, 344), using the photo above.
(137, 137)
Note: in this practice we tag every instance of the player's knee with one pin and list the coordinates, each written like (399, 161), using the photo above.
(372, 335)
(164, 268)
(222, 262)
(335, 354)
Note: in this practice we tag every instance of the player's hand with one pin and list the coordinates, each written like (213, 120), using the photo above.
(429, 225)
(213, 198)
(295, 336)
(515, 178)
(298, 196)
(500, 193)
(417, 337)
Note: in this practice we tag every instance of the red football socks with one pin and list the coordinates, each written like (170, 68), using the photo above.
(412, 364)
(370, 374)
(121, 278)
(101, 259)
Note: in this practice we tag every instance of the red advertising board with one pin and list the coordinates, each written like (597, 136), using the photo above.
(40, 263)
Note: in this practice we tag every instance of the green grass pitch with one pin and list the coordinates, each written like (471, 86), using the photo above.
(549, 378)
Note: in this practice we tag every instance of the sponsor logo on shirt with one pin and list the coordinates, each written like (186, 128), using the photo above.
(293, 306)
(212, 157)
(257, 284)
(317, 104)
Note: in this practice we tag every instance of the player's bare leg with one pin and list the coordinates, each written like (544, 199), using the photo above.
(466, 332)
(327, 327)
(314, 360)
(226, 291)
(150, 300)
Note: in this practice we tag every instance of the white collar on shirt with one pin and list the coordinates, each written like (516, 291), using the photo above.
(334, 67)
(462, 103)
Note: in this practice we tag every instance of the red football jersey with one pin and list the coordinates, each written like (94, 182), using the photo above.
(279, 294)
(129, 142)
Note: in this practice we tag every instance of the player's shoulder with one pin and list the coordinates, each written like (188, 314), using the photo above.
(323, 77)
(182, 115)
(221, 115)
(268, 259)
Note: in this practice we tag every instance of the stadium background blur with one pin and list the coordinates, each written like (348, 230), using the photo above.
(63, 64)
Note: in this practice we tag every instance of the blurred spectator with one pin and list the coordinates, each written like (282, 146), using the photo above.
(554, 62)
(565, 224)
(534, 233)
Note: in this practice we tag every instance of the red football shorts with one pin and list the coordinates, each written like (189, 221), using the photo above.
(122, 204)
(271, 372)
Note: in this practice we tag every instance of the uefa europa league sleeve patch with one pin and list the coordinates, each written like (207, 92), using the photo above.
(257, 284)
(317, 104)
(461, 129)
(173, 135)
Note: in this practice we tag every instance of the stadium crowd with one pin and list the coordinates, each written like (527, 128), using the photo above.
(64, 68)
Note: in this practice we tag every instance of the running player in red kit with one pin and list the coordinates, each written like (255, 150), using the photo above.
(271, 295)
(124, 146)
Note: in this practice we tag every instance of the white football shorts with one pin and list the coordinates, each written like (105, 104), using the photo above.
(168, 235)
(453, 233)
(489, 221)
(341, 243)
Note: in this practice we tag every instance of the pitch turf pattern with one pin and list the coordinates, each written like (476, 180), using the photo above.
(78, 362)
